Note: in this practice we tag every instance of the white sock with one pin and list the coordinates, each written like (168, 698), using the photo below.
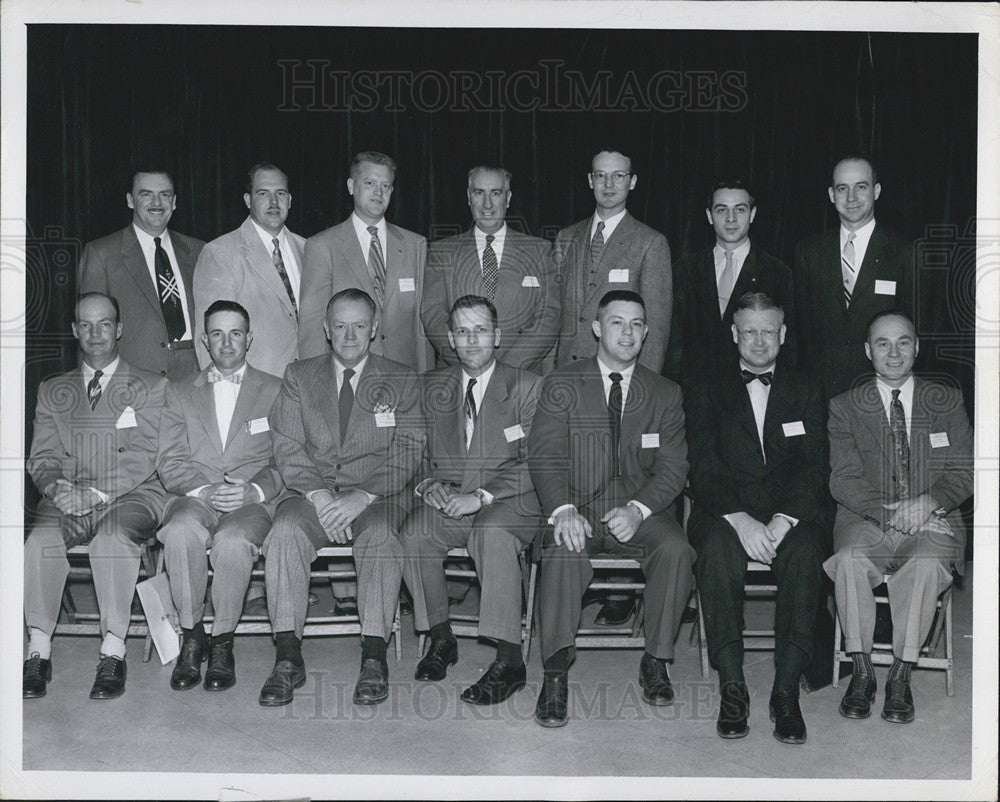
(39, 643)
(113, 646)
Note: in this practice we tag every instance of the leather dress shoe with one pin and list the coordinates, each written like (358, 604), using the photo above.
(441, 654)
(279, 688)
(348, 605)
(898, 707)
(656, 687)
(187, 672)
(789, 726)
(615, 612)
(373, 682)
(550, 710)
(857, 702)
(734, 710)
(110, 680)
(37, 673)
(221, 673)
(498, 684)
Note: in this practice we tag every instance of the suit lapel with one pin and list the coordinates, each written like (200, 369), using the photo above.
(364, 396)
(249, 390)
(356, 258)
(185, 263)
(831, 276)
(490, 415)
(261, 263)
(393, 261)
(135, 264)
(869, 267)
(871, 412)
(582, 244)
(922, 420)
(204, 403)
(595, 408)
(450, 423)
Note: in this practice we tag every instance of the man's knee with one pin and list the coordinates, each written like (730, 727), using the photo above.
(719, 549)
(232, 550)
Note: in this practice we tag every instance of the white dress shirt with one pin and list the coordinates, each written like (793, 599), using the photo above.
(861, 239)
(905, 398)
(609, 225)
(739, 257)
(365, 238)
(499, 237)
(287, 255)
(149, 251)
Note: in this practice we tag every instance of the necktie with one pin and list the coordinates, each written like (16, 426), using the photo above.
(847, 268)
(279, 263)
(726, 282)
(615, 419)
(170, 296)
(94, 390)
(749, 376)
(345, 403)
(216, 376)
(376, 262)
(470, 413)
(900, 446)
(491, 272)
(597, 244)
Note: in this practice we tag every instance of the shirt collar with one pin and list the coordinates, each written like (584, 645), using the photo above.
(482, 380)
(739, 254)
(606, 371)
(863, 234)
(498, 235)
(241, 372)
(267, 237)
(339, 369)
(146, 240)
(610, 223)
(361, 227)
(107, 372)
(752, 369)
(905, 390)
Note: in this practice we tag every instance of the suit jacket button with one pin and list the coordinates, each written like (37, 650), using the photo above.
(336, 488)
(67, 454)
(894, 478)
(163, 373)
(383, 336)
(574, 356)
(338, 467)
(163, 345)
(581, 320)
(121, 450)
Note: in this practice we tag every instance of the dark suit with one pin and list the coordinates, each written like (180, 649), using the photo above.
(730, 473)
(831, 337)
(108, 449)
(569, 454)
(701, 340)
(633, 247)
(527, 296)
(115, 265)
(192, 455)
(862, 479)
(377, 456)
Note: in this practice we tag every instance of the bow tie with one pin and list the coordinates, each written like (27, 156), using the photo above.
(215, 376)
(749, 376)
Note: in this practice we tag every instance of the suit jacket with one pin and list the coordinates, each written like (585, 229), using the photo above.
(701, 341)
(115, 265)
(99, 448)
(192, 455)
(497, 459)
(569, 450)
(379, 455)
(633, 247)
(831, 339)
(334, 261)
(237, 267)
(861, 458)
(527, 296)
(728, 469)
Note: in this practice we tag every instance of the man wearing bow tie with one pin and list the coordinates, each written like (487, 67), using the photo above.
(216, 459)
(758, 487)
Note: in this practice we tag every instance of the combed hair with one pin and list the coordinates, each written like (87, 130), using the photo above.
(374, 157)
(620, 295)
(471, 302)
(730, 183)
(759, 302)
(887, 313)
(351, 294)
(490, 168)
(110, 298)
(252, 172)
(223, 305)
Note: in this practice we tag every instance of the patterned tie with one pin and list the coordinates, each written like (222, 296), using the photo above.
(847, 269)
(94, 389)
(615, 419)
(749, 376)
(900, 446)
(470, 413)
(345, 403)
(170, 295)
(597, 244)
(491, 272)
(279, 263)
(215, 376)
(726, 282)
(376, 262)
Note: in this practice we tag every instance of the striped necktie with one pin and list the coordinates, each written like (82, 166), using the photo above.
(847, 268)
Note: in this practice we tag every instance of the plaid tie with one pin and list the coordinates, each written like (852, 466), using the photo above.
(900, 446)
(470, 413)
(491, 272)
(279, 263)
(94, 389)
(597, 244)
(216, 376)
(848, 270)
(170, 296)
(376, 261)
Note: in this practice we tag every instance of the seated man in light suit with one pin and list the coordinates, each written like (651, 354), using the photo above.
(901, 464)
(476, 493)
(216, 458)
(608, 457)
(92, 457)
(759, 470)
(351, 460)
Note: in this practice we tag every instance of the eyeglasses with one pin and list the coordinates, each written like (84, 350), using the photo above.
(751, 335)
(618, 177)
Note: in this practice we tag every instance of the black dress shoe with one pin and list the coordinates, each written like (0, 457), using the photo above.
(110, 680)
(441, 654)
(221, 673)
(373, 682)
(898, 707)
(279, 689)
(37, 672)
(346, 606)
(857, 702)
(615, 612)
(789, 726)
(690, 615)
(187, 672)
(734, 710)
(498, 684)
(656, 687)
(550, 710)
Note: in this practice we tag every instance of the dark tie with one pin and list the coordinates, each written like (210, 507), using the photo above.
(470, 413)
(279, 263)
(597, 244)
(170, 296)
(94, 390)
(491, 273)
(615, 419)
(900, 446)
(749, 376)
(376, 261)
(345, 403)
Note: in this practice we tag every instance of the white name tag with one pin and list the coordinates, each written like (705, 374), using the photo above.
(651, 440)
(513, 433)
(885, 287)
(618, 276)
(793, 428)
(258, 425)
(939, 440)
(384, 419)
(530, 281)
(407, 285)
(127, 419)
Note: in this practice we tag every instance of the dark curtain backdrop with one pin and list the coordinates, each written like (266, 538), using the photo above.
(777, 108)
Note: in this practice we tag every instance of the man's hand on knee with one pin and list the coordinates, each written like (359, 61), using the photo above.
(571, 529)
(759, 542)
(910, 515)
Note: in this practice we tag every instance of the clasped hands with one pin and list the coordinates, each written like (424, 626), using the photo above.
(337, 511)
(572, 529)
(230, 494)
(913, 515)
(443, 498)
(71, 499)
(760, 541)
